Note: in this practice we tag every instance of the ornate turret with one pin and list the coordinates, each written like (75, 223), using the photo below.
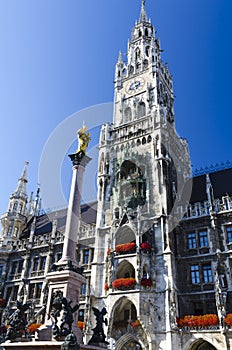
(15, 217)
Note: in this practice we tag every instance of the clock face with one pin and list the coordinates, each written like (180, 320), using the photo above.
(135, 85)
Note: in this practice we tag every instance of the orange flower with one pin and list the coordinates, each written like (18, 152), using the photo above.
(228, 320)
(124, 283)
(198, 321)
(80, 325)
(135, 324)
(125, 248)
(32, 328)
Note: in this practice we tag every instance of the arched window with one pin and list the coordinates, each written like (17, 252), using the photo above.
(15, 206)
(138, 66)
(128, 115)
(131, 70)
(141, 110)
(145, 64)
(137, 54)
(140, 33)
(124, 72)
(146, 32)
(147, 50)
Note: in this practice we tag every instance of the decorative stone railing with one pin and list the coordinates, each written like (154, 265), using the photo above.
(87, 232)
(199, 209)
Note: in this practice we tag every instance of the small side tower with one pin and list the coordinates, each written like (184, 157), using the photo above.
(14, 219)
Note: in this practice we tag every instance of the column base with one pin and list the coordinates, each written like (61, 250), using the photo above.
(69, 283)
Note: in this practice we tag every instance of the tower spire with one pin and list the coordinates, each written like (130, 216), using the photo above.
(143, 15)
(22, 181)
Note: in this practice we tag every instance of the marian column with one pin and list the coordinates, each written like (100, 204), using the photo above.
(66, 277)
(79, 160)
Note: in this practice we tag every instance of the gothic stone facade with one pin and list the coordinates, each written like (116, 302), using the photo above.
(156, 246)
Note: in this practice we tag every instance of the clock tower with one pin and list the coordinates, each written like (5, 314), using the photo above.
(143, 166)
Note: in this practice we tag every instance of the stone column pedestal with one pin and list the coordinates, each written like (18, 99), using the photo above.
(69, 283)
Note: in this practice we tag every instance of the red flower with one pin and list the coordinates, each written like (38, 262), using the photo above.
(80, 325)
(32, 328)
(146, 282)
(125, 248)
(108, 252)
(198, 321)
(228, 320)
(135, 324)
(106, 287)
(145, 246)
(124, 283)
(2, 302)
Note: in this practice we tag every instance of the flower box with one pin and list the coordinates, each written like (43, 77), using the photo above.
(145, 246)
(125, 248)
(124, 283)
(146, 282)
(198, 321)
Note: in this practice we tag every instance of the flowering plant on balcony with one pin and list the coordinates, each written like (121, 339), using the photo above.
(2, 302)
(135, 324)
(33, 327)
(145, 246)
(106, 287)
(228, 320)
(108, 252)
(125, 248)
(198, 321)
(124, 283)
(146, 282)
(80, 325)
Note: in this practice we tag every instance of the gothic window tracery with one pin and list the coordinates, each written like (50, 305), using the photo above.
(141, 109)
(128, 114)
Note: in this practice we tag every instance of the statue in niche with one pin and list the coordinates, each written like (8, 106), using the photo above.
(83, 139)
(98, 332)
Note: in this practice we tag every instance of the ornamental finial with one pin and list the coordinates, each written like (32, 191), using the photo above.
(143, 15)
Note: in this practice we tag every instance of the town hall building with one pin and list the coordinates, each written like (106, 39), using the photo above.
(156, 246)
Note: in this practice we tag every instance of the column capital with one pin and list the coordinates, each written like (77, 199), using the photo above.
(79, 158)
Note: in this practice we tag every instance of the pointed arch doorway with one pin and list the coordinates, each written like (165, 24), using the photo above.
(202, 345)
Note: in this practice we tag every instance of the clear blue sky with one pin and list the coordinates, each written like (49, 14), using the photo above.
(58, 57)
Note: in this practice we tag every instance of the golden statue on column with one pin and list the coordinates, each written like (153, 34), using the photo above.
(83, 139)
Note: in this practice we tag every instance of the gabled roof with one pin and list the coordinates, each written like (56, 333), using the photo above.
(43, 222)
(221, 183)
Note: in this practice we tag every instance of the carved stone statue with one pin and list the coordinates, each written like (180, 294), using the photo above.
(67, 317)
(18, 322)
(56, 307)
(83, 139)
(98, 335)
(59, 304)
